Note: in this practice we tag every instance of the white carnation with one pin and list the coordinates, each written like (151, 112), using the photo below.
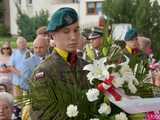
(121, 116)
(92, 94)
(104, 109)
(72, 111)
(94, 119)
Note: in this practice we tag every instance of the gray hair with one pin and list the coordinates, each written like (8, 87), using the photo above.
(7, 97)
(144, 42)
(20, 38)
(41, 38)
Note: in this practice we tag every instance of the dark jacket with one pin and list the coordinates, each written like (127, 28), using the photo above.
(53, 85)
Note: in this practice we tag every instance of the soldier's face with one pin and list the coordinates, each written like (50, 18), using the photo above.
(67, 38)
(97, 42)
(133, 43)
(5, 111)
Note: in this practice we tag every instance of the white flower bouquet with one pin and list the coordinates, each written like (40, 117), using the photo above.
(117, 84)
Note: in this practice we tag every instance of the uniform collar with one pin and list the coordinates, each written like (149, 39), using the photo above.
(62, 53)
(129, 49)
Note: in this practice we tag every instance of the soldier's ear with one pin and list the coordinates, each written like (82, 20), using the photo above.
(52, 35)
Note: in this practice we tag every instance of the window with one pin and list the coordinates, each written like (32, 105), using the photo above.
(94, 8)
(98, 7)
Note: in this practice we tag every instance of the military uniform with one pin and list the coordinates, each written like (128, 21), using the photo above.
(139, 57)
(44, 85)
(91, 53)
(59, 80)
(135, 54)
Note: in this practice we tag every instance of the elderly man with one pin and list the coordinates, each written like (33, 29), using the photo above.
(61, 72)
(6, 103)
(145, 45)
(40, 48)
(17, 58)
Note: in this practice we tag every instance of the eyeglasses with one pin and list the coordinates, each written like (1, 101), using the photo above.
(6, 48)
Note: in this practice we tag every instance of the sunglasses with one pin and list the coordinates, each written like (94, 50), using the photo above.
(6, 48)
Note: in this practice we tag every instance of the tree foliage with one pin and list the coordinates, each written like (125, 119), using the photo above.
(142, 14)
(1, 10)
(28, 25)
(3, 29)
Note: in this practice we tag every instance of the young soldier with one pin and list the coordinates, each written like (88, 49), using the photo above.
(132, 49)
(131, 43)
(61, 71)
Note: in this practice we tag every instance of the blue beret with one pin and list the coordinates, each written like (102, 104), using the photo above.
(131, 33)
(61, 18)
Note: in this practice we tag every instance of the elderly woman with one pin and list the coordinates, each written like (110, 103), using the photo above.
(6, 103)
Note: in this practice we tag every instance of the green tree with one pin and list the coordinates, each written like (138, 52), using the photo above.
(115, 9)
(28, 25)
(1, 10)
(142, 14)
(155, 27)
(3, 28)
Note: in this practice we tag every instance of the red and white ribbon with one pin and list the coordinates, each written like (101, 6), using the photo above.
(107, 86)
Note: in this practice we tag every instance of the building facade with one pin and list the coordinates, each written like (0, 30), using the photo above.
(88, 10)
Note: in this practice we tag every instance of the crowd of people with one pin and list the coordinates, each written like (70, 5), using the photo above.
(59, 53)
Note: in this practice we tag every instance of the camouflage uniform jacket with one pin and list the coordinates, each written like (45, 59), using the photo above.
(51, 84)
